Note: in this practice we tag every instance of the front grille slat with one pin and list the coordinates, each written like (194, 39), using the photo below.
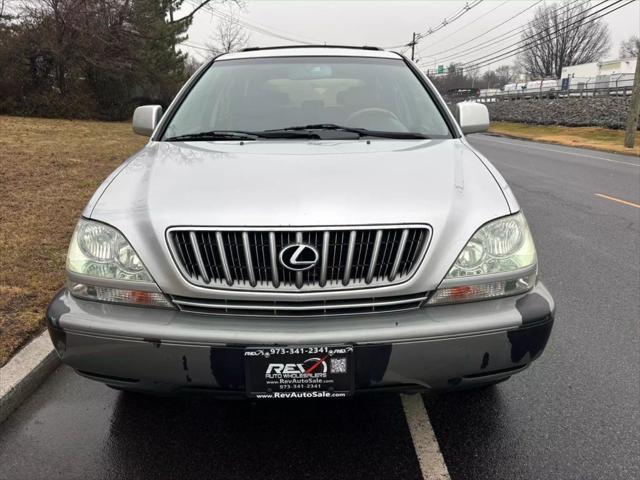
(273, 257)
(374, 257)
(223, 259)
(248, 260)
(234, 255)
(398, 258)
(207, 246)
(380, 272)
(408, 259)
(324, 258)
(196, 253)
(351, 248)
(299, 275)
(264, 265)
(181, 249)
(361, 255)
(348, 257)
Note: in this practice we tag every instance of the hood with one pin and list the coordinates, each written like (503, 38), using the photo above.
(442, 183)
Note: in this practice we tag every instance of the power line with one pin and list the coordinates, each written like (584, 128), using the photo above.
(260, 29)
(484, 33)
(492, 41)
(531, 45)
(226, 16)
(447, 21)
(549, 36)
(467, 24)
(196, 46)
(264, 30)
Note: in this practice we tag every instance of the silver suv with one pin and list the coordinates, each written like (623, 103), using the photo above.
(304, 222)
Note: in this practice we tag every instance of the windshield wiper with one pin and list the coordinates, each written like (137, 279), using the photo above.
(239, 135)
(213, 135)
(363, 132)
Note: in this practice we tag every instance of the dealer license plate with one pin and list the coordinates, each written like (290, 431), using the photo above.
(299, 372)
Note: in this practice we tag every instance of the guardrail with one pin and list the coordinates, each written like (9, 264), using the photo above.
(589, 88)
(549, 94)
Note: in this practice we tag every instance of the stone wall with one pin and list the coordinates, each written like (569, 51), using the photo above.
(609, 112)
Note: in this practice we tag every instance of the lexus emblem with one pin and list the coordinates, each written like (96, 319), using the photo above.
(299, 257)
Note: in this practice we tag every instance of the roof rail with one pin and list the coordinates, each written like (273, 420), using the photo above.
(280, 47)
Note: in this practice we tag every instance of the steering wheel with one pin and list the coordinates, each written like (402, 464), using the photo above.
(375, 117)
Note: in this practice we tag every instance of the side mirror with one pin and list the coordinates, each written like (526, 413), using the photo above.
(472, 117)
(146, 118)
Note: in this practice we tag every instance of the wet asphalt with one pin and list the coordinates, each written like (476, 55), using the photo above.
(73, 428)
(574, 414)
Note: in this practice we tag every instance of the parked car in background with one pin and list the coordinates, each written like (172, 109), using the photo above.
(304, 222)
(538, 88)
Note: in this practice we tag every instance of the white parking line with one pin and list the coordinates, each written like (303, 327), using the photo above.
(424, 440)
(525, 143)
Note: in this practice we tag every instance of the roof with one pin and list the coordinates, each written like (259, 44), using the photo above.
(310, 51)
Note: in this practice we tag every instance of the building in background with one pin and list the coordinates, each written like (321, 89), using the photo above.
(608, 74)
(595, 69)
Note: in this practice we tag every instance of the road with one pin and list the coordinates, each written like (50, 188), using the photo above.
(574, 414)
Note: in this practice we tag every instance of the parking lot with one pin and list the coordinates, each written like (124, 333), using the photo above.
(574, 414)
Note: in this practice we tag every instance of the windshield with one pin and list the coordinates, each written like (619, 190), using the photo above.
(313, 93)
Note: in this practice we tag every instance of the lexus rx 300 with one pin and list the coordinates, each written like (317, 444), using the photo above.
(303, 222)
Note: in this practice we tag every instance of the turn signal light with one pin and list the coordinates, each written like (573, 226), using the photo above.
(482, 291)
(119, 295)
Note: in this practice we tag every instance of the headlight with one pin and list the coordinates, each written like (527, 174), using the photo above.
(100, 251)
(500, 247)
(503, 245)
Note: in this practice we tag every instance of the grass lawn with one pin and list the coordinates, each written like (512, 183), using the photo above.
(49, 170)
(586, 137)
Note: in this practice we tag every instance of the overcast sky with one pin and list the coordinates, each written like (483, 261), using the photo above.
(391, 23)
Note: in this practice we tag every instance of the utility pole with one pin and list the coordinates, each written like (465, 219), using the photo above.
(634, 109)
(413, 46)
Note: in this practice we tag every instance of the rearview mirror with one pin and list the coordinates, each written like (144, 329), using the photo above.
(472, 117)
(146, 118)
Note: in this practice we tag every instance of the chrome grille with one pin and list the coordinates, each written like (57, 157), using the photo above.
(297, 309)
(248, 259)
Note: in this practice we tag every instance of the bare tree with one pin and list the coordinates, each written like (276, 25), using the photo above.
(489, 79)
(230, 36)
(191, 65)
(562, 35)
(174, 5)
(5, 10)
(499, 77)
(506, 74)
(630, 47)
(473, 73)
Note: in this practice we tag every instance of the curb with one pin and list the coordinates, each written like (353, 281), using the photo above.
(551, 142)
(25, 372)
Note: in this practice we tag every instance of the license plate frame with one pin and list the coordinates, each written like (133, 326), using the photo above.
(299, 371)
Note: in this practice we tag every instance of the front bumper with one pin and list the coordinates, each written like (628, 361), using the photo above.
(432, 348)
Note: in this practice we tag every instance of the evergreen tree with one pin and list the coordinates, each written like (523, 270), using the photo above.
(160, 66)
